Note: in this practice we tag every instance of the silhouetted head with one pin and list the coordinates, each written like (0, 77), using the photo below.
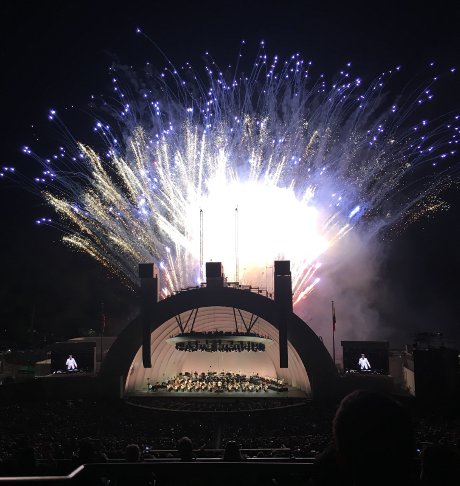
(132, 453)
(86, 452)
(232, 452)
(374, 437)
(185, 448)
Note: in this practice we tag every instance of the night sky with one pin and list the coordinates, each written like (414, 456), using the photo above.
(57, 54)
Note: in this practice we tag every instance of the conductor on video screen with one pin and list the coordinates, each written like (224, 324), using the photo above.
(363, 363)
(71, 363)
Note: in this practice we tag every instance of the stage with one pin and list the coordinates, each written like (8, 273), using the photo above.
(290, 393)
(217, 402)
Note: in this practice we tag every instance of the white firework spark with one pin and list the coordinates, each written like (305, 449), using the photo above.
(279, 167)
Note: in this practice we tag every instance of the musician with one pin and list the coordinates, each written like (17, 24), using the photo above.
(363, 363)
(71, 363)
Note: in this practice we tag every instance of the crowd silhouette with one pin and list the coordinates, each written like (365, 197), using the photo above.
(369, 439)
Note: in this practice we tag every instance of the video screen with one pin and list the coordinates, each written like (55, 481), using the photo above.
(366, 357)
(73, 357)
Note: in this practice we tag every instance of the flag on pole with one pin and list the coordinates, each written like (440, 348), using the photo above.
(334, 320)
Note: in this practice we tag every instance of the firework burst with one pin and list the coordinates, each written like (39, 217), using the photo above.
(246, 169)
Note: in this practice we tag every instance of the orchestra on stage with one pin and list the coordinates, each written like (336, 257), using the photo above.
(219, 383)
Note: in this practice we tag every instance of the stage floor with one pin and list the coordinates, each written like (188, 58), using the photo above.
(291, 393)
(197, 402)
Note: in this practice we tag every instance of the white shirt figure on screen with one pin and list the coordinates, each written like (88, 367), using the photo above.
(364, 363)
(71, 363)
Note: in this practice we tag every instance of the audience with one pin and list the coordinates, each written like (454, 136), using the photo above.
(232, 452)
(371, 441)
(132, 453)
(327, 471)
(185, 449)
(88, 454)
(133, 476)
(440, 466)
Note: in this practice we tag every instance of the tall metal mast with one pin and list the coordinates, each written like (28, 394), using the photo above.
(237, 256)
(201, 246)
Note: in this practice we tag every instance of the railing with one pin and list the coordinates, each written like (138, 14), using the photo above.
(201, 472)
(233, 285)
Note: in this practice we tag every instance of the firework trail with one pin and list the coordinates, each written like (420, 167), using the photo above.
(302, 162)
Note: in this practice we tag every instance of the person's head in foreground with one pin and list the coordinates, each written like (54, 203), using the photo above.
(374, 439)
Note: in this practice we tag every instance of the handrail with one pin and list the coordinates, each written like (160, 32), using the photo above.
(246, 470)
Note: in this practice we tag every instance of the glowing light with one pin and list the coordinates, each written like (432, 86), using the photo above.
(303, 164)
(354, 212)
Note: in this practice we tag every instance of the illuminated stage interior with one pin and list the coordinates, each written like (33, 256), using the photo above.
(168, 362)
